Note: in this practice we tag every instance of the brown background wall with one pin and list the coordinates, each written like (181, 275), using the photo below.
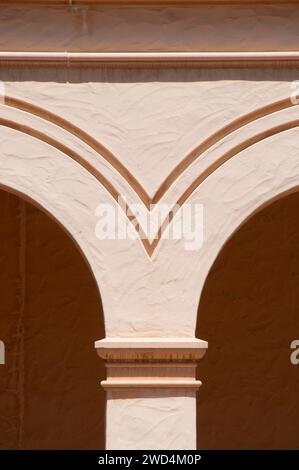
(50, 315)
(249, 313)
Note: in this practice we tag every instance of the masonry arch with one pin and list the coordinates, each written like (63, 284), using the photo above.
(50, 383)
(60, 186)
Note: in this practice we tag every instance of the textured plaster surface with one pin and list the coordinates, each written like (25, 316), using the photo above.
(150, 420)
(140, 295)
(149, 119)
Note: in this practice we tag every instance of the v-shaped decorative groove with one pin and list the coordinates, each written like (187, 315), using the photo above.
(76, 157)
(215, 138)
(148, 246)
(186, 162)
(90, 168)
(228, 155)
(86, 138)
(122, 170)
(64, 149)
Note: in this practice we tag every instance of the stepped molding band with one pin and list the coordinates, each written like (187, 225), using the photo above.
(142, 59)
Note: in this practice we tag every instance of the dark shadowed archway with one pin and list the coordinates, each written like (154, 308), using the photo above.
(50, 315)
(249, 314)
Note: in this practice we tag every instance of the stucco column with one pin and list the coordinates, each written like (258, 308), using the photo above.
(151, 391)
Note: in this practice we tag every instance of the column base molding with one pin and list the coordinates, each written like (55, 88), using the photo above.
(156, 384)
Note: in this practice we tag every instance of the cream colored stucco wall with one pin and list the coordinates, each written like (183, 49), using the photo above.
(150, 120)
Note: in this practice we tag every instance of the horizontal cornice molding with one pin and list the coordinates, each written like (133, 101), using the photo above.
(174, 59)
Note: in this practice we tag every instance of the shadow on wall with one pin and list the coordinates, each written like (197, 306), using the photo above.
(50, 315)
(249, 313)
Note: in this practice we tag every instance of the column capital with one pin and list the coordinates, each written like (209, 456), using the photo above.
(159, 363)
(147, 349)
